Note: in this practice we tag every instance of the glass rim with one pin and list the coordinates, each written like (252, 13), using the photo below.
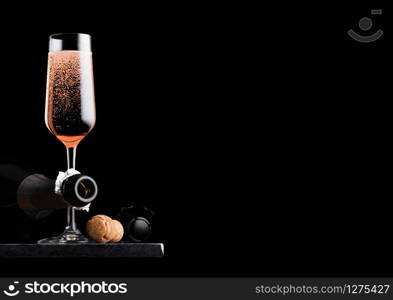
(72, 41)
(58, 36)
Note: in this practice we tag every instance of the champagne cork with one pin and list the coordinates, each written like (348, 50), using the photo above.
(103, 229)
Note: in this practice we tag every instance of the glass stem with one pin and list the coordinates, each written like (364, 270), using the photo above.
(71, 156)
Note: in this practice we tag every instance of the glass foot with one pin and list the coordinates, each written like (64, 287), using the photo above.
(69, 236)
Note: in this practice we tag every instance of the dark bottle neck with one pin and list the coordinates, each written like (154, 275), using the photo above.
(79, 190)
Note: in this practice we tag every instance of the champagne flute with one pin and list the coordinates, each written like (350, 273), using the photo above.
(70, 105)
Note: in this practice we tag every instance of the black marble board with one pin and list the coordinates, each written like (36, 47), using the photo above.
(82, 250)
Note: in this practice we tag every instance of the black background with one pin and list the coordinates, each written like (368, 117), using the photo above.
(259, 135)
